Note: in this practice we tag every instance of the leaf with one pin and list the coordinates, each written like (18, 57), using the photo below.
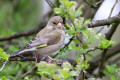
(104, 44)
(73, 73)
(45, 68)
(66, 66)
(57, 10)
(3, 55)
(3, 78)
(78, 12)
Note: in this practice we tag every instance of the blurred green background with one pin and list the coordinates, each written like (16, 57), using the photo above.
(17, 16)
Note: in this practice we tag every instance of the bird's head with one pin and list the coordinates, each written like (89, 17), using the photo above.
(56, 22)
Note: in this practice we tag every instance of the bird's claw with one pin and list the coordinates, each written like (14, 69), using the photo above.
(48, 59)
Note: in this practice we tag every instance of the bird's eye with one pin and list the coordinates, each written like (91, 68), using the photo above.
(54, 23)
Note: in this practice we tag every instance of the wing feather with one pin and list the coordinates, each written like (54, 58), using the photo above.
(49, 39)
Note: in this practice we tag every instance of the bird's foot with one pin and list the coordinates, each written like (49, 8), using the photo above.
(37, 58)
(48, 59)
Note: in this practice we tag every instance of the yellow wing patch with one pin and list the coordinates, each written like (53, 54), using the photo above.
(40, 46)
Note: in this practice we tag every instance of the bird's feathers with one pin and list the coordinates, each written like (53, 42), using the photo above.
(48, 40)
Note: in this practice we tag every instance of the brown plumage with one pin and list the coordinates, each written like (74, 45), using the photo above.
(52, 35)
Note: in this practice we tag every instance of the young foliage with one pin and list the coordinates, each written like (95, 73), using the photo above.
(3, 55)
(3, 78)
(104, 44)
(52, 71)
(113, 72)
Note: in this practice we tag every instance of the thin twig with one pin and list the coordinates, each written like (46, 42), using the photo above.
(70, 40)
(3, 66)
(112, 30)
(66, 46)
(29, 32)
(92, 49)
(110, 53)
(58, 61)
(99, 2)
(113, 8)
(29, 72)
(101, 63)
(83, 73)
(50, 3)
(21, 70)
(91, 5)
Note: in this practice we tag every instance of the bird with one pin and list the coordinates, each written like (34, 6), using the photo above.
(48, 40)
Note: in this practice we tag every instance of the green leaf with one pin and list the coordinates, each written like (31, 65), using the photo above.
(3, 55)
(72, 13)
(57, 10)
(72, 4)
(45, 68)
(66, 66)
(3, 78)
(63, 1)
(73, 73)
(78, 12)
(112, 71)
(65, 74)
(104, 44)
(113, 77)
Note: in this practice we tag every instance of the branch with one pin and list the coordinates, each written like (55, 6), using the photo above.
(3, 66)
(91, 49)
(29, 72)
(103, 22)
(96, 5)
(110, 53)
(35, 30)
(30, 32)
(66, 45)
(50, 3)
(113, 7)
(112, 30)
(58, 61)
(105, 55)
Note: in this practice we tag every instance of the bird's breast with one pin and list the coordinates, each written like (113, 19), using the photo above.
(52, 48)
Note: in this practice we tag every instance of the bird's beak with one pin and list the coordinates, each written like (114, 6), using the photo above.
(59, 24)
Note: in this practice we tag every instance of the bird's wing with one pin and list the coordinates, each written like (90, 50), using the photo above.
(53, 38)
(46, 40)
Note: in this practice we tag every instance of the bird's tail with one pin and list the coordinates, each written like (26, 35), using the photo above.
(20, 52)
(17, 53)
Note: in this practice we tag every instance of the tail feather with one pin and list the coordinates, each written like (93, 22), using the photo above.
(17, 53)
(20, 52)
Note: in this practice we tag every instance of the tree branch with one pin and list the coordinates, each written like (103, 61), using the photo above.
(103, 22)
(58, 61)
(35, 30)
(3, 66)
(29, 72)
(30, 32)
(97, 23)
(109, 34)
(109, 53)
(50, 3)
(105, 55)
